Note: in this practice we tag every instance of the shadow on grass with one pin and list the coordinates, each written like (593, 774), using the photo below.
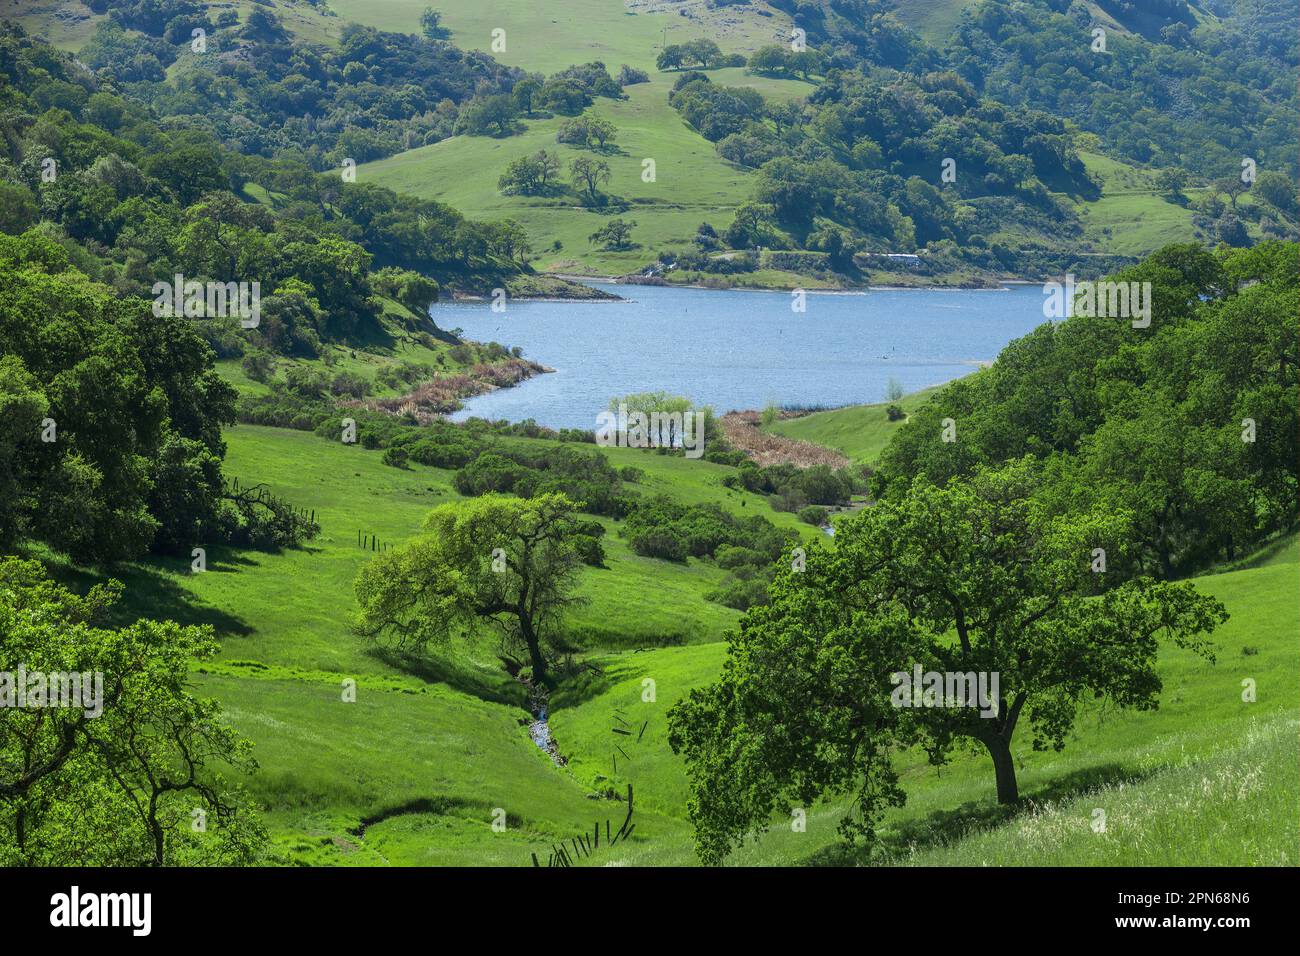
(436, 669)
(589, 682)
(947, 827)
(435, 806)
(150, 590)
(1266, 554)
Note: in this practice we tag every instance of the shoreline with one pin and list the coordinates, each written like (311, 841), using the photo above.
(591, 281)
(1000, 286)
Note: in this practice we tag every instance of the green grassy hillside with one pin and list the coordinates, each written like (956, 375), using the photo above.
(693, 184)
(859, 431)
(412, 772)
(1206, 777)
(933, 19)
(541, 37)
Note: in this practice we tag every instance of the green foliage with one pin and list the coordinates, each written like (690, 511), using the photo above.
(813, 515)
(1234, 104)
(118, 780)
(973, 577)
(431, 25)
(793, 488)
(778, 60)
(411, 289)
(588, 175)
(1147, 420)
(149, 203)
(493, 115)
(532, 175)
(115, 441)
(702, 53)
(508, 561)
(587, 132)
(615, 234)
(663, 528)
(586, 478)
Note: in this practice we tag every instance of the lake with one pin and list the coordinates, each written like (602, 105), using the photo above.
(739, 349)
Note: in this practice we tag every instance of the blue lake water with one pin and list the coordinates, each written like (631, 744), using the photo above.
(739, 349)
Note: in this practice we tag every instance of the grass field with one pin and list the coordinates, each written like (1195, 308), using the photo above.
(66, 24)
(1131, 217)
(542, 37)
(414, 770)
(692, 184)
(1205, 778)
(859, 431)
(932, 19)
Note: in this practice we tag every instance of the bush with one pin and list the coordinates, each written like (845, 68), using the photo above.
(395, 457)
(789, 500)
(582, 476)
(814, 515)
(659, 544)
(894, 413)
(590, 551)
(345, 383)
(259, 366)
(737, 556)
(741, 593)
(630, 76)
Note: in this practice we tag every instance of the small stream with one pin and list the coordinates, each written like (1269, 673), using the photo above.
(540, 728)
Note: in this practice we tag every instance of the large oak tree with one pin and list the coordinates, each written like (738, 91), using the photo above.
(976, 576)
(511, 563)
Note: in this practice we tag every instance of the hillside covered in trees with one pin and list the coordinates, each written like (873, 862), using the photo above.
(336, 624)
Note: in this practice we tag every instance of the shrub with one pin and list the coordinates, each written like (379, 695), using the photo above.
(814, 515)
(630, 76)
(741, 593)
(659, 544)
(259, 366)
(737, 556)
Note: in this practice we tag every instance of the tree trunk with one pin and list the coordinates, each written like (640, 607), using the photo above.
(1166, 563)
(1005, 768)
(534, 650)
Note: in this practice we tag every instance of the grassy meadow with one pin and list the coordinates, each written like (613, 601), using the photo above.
(432, 761)
(413, 772)
(692, 184)
(859, 431)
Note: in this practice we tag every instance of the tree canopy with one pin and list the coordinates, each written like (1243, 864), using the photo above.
(974, 578)
(508, 562)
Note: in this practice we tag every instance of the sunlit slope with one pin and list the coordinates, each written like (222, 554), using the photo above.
(550, 36)
(1206, 779)
(413, 771)
(688, 184)
(859, 431)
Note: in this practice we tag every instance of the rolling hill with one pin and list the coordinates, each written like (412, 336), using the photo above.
(412, 773)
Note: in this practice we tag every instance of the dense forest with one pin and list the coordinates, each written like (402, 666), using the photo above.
(903, 145)
(100, 203)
